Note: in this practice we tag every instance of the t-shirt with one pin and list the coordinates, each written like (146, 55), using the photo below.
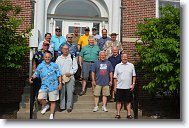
(102, 70)
(124, 74)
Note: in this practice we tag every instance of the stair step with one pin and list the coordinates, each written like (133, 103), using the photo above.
(87, 114)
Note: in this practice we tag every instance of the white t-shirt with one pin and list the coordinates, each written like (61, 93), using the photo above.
(124, 74)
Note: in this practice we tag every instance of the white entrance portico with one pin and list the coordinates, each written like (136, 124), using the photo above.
(68, 13)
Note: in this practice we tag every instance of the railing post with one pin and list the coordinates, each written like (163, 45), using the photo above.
(31, 100)
(135, 102)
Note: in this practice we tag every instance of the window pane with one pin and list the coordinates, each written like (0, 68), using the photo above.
(96, 25)
(78, 8)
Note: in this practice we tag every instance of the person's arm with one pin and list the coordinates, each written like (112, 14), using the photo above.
(74, 67)
(60, 83)
(115, 79)
(93, 80)
(79, 44)
(115, 85)
(133, 83)
(111, 77)
(34, 66)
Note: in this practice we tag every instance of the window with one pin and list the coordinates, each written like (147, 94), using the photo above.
(161, 3)
(175, 3)
(78, 8)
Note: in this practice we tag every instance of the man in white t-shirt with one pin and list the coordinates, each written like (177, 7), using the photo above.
(124, 84)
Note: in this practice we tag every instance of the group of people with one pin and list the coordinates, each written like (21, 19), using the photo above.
(101, 60)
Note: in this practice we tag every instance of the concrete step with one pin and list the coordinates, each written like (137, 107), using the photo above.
(82, 114)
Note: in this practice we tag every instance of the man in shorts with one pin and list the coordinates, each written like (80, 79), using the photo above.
(51, 83)
(101, 80)
(124, 83)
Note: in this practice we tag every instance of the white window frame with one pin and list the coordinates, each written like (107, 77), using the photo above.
(157, 5)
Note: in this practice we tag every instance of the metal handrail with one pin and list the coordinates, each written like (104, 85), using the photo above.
(135, 101)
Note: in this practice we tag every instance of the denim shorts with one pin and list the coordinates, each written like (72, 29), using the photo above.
(86, 70)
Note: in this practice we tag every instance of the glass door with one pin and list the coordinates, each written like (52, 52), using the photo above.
(69, 27)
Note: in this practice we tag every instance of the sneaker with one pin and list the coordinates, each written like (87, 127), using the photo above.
(95, 109)
(51, 117)
(45, 109)
(104, 109)
(81, 93)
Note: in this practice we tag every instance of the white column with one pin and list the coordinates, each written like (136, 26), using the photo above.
(116, 16)
(40, 18)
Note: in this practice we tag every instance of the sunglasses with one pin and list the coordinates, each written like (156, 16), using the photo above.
(58, 31)
(69, 37)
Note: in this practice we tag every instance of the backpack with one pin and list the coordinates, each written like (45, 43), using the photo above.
(78, 73)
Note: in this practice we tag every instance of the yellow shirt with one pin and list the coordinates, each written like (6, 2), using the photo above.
(83, 40)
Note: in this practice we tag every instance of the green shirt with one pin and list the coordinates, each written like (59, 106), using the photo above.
(90, 53)
(75, 39)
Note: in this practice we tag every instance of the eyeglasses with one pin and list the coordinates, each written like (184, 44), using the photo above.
(69, 37)
(58, 31)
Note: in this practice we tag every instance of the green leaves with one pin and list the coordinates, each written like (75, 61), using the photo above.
(160, 50)
(13, 45)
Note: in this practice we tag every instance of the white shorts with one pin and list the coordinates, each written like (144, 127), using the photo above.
(53, 96)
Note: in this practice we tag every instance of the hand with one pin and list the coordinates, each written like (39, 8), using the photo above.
(60, 86)
(31, 80)
(132, 87)
(93, 84)
(110, 83)
(67, 74)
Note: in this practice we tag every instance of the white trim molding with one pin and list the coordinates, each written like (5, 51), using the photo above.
(131, 39)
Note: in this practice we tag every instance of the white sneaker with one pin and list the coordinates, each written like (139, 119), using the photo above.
(104, 109)
(51, 117)
(95, 109)
(45, 109)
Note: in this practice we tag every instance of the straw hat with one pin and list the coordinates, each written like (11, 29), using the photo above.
(65, 79)
(113, 34)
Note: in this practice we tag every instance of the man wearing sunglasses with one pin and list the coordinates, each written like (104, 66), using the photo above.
(73, 50)
(57, 39)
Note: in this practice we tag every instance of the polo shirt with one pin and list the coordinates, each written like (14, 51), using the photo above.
(83, 40)
(89, 53)
(124, 74)
(58, 41)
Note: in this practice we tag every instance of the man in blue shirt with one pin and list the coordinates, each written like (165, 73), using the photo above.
(57, 39)
(101, 80)
(101, 42)
(51, 83)
(73, 50)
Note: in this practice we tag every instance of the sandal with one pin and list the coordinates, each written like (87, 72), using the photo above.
(112, 99)
(129, 117)
(118, 116)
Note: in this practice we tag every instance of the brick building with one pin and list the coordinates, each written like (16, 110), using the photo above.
(120, 16)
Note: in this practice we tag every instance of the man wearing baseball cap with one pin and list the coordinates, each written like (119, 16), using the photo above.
(83, 40)
(94, 33)
(57, 39)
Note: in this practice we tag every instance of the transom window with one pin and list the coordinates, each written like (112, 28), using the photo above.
(81, 8)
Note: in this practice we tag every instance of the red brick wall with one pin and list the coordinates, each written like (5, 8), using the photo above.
(134, 12)
(12, 81)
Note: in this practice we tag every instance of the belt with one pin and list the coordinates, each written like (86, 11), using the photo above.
(89, 61)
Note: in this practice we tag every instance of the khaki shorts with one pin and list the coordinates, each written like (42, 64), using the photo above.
(53, 96)
(105, 90)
